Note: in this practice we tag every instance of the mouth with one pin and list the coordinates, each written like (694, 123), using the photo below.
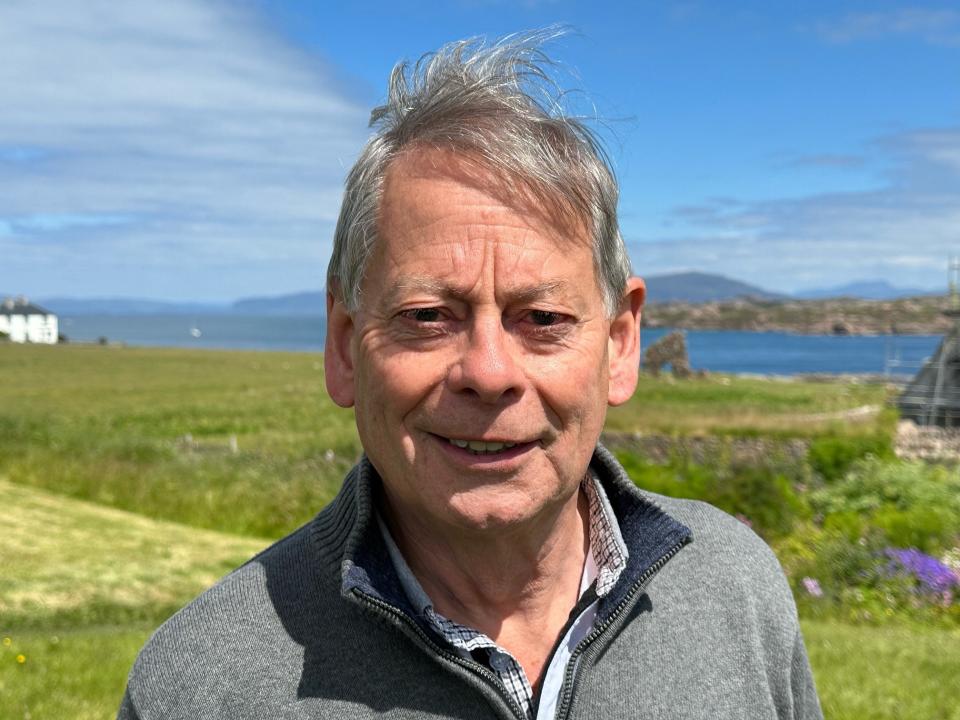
(490, 450)
(481, 447)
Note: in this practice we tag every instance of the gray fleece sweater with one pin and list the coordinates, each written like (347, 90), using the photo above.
(701, 624)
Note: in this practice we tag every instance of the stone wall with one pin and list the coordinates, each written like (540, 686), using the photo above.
(753, 451)
(933, 444)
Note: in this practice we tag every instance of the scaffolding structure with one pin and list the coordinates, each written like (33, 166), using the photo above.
(932, 398)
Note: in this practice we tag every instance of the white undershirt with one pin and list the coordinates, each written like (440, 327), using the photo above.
(553, 678)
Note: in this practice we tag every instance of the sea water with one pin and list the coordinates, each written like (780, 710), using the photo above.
(768, 353)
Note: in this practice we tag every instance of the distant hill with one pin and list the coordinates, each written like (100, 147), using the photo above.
(683, 287)
(694, 287)
(302, 303)
(680, 287)
(688, 287)
(864, 289)
(128, 306)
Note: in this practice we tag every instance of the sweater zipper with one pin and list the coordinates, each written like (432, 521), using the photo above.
(385, 608)
(571, 678)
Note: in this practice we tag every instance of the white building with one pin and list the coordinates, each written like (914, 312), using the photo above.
(23, 321)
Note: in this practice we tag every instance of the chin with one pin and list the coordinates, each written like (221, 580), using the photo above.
(480, 511)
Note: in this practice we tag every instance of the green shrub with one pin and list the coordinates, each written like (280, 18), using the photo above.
(929, 529)
(761, 496)
(910, 504)
(832, 457)
(848, 524)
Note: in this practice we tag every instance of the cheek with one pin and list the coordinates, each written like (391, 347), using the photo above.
(395, 384)
(581, 366)
(575, 389)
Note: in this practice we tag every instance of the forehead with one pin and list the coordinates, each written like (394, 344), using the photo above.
(446, 213)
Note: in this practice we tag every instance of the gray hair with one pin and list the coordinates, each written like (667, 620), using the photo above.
(496, 104)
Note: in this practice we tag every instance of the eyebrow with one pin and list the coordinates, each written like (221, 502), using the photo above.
(414, 282)
(431, 285)
(540, 290)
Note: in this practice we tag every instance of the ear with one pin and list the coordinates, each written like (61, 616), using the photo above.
(624, 343)
(338, 353)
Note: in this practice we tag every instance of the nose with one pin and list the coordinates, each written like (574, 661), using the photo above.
(487, 366)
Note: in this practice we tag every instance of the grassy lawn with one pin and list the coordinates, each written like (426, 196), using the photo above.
(132, 478)
(84, 585)
(249, 442)
(889, 672)
(752, 406)
(77, 674)
(241, 442)
(67, 562)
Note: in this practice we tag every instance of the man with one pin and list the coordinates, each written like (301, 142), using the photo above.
(486, 558)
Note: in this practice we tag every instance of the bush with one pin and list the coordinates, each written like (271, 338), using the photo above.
(909, 503)
(762, 497)
(926, 528)
(833, 456)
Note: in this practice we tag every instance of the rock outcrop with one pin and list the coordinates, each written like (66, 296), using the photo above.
(669, 350)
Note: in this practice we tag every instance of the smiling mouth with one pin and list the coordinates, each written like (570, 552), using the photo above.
(480, 447)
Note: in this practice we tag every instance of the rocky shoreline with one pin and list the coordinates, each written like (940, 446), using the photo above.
(836, 316)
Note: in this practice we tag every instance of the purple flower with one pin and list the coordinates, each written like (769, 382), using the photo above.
(812, 586)
(933, 575)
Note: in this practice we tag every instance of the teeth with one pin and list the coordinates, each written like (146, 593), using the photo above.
(479, 446)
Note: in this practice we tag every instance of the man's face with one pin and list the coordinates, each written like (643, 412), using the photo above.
(480, 356)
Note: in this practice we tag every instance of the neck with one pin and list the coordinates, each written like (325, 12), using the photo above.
(515, 585)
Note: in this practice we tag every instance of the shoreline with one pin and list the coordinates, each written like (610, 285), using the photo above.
(774, 375)
(920, 315)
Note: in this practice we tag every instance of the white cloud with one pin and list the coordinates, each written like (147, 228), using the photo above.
(827, 160)
(903, 231)
(210, 137)
(937, 26)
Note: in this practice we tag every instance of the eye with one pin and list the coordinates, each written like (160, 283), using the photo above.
(545, 317)
(424, 315)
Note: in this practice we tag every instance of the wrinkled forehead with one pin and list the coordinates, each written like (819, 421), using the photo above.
(453, 231)
(515, 191)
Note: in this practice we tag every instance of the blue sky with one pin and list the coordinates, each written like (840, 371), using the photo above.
(195, 149)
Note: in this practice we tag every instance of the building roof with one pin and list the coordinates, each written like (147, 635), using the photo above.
(933, 396)
(21, 306)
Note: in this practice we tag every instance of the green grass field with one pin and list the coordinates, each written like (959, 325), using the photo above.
(875, 673)
(885, 672)
(130, 479)
(84, 586)
(67, 673)
(58, 661)
(249, 443)
(69, 562)
(753, 406)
